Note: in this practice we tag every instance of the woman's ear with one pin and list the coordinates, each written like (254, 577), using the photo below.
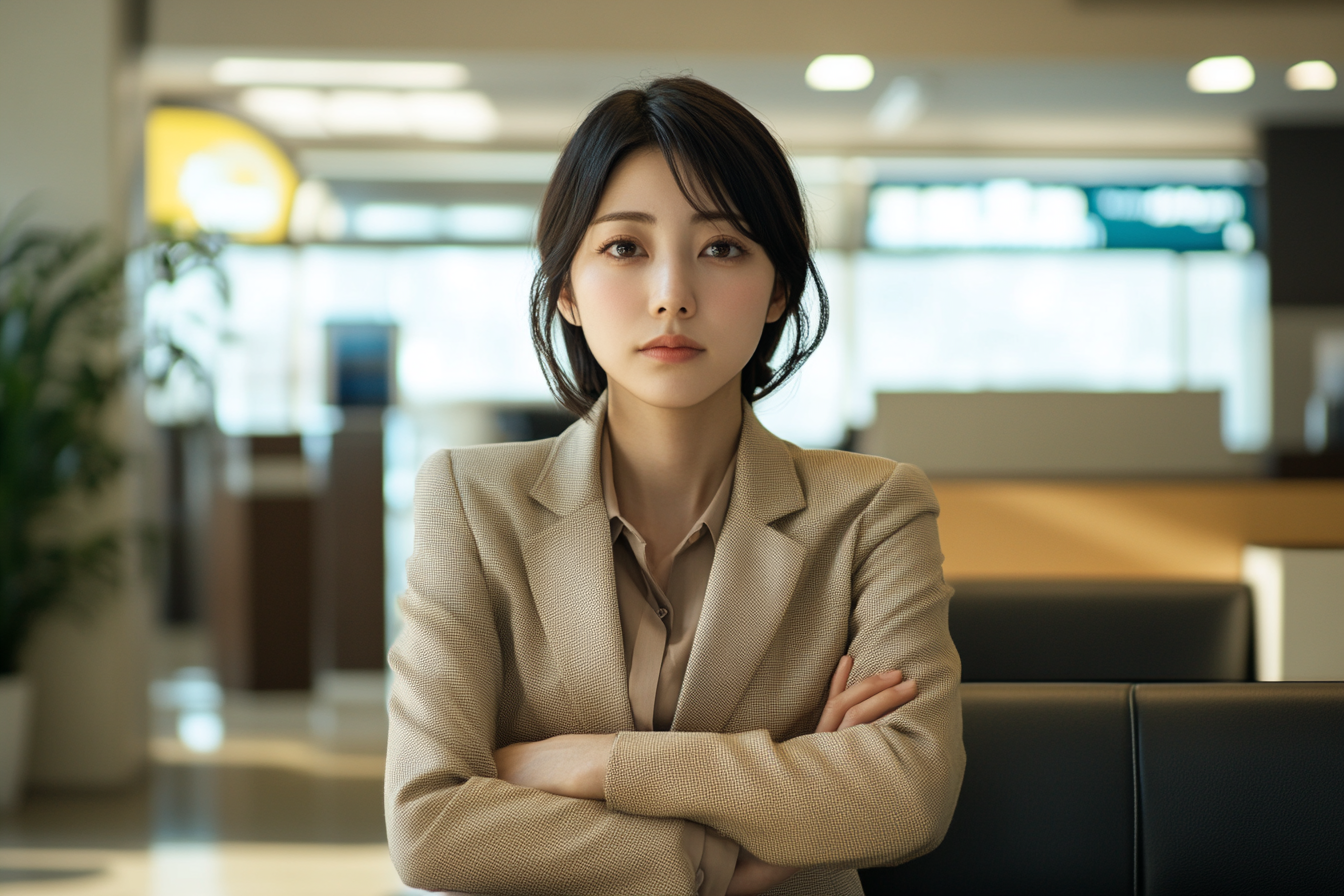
(568, 308)
(779, 301)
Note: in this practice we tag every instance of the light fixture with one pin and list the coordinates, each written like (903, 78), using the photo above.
(289, 111)
(249, 70)
(444, 115)
(839, 72)
(1312, 75)
(464, 115)
(1221, 74)
(351, 113)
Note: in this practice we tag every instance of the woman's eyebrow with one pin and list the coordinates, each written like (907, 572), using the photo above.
(638, 217)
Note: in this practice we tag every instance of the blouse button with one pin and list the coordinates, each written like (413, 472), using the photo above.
(662, 612)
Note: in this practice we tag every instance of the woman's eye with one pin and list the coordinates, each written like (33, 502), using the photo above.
(723, 249)
(623, 249)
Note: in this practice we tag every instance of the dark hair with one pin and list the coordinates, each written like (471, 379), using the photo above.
(713, 145)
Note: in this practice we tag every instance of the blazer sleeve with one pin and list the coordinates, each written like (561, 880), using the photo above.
(876, 794)
(452, 824)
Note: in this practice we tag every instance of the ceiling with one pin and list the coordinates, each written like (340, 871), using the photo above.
(967, 106)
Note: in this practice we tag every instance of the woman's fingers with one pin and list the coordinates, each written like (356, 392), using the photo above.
(837, 706)
(878, 705)
(841, 676)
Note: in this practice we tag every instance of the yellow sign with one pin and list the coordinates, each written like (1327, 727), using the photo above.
(207, 171)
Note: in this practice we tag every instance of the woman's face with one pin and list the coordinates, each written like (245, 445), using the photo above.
(672, 302)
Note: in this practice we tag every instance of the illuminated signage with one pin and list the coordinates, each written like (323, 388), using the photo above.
(1017, 214)
(208, 171)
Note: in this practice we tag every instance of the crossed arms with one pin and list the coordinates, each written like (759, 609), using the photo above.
(847, 796)
(575, 765)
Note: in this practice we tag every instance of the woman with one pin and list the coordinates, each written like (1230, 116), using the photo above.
(627, 651)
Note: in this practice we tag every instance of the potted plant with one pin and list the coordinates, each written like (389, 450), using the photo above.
(60, 323)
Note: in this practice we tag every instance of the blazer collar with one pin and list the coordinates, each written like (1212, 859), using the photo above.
(765, 484)
(572, 474)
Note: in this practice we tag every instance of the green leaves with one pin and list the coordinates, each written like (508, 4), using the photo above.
(60, 314)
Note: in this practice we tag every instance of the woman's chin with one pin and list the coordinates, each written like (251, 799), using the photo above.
(673, 395)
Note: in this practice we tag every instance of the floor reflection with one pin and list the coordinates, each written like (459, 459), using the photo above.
(251, 794)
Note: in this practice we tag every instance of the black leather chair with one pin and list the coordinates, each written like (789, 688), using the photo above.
(1238, 788)
(1047, 805)
(1241, 787)
(1102, 631)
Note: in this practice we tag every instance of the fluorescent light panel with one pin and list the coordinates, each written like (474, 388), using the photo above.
(251, 70)
(449, 115)
(431, 166)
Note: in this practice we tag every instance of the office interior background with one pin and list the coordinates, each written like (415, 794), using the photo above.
(1083, 258)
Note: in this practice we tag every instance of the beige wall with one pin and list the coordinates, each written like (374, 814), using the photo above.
(985, 28)
(56, 59)
(60, 145)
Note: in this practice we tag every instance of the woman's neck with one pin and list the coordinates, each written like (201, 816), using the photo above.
(667, 463)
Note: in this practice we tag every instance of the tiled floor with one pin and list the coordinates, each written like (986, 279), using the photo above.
(246, 795)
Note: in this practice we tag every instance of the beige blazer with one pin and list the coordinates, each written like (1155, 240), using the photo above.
(512, 633)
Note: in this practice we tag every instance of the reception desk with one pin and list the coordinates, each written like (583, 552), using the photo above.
(1128, 529)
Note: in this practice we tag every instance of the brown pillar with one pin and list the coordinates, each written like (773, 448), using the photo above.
(348, 619)
(261, 572)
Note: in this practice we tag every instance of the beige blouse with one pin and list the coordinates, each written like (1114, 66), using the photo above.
(659, 626)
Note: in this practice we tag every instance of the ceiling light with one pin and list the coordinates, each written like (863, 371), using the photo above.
(457, 115)
(836, 72)
(350, 113)
(1312, 75)
(288, 111)
(338, 73)
(1221, 74)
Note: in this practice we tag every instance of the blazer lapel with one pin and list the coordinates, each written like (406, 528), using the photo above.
(570, 570)
(756, 568)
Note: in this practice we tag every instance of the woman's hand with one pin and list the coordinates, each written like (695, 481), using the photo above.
(575, 765)
(566, 765)
(864, 702)
(753, 875)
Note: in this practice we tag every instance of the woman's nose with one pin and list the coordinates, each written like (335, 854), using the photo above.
(671, 294)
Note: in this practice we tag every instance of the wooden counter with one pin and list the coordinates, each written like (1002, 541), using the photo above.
(1117, 529)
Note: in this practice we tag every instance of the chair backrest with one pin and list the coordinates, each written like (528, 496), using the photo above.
(1047, 805)
(1142, 789)
(1241, 787)
(1102, 631)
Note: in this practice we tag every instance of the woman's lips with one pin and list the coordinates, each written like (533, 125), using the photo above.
(671, 349)
(670, 354)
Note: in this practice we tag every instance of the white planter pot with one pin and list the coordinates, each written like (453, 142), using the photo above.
(14, 724)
